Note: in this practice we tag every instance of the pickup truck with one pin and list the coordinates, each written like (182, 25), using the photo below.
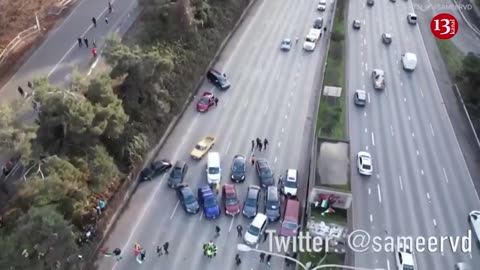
(311, 39)
(202, 147)
(208, 201)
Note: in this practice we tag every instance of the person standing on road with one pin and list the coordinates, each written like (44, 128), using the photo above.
(94, 21)
(253, 145)
(260, 146)
(79, 42)
(265, 142)
(265, 236)
(262, 257)
(94, 52)
(258, 142)
(159, 251)
(110, 7)
(106, 20)
(252, 159)
(216, 101)
(238, 261)
(269, 258)
(85, 40)
(239, 231)
(94, 43)
(21, 91)
(165, 247)
(217, 231)
(30, 85)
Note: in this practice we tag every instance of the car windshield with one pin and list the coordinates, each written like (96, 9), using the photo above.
(290, 184)
(231, 201)
(189, 199)
(213, 170)
(200, 147)
(290, 225)
(238, 166)
(273, 205)
(177, 172)
(210, 202)
(253, 230)
(251, 202)
(286, 42)
(265, 172)
(204, 100)
(222, 79)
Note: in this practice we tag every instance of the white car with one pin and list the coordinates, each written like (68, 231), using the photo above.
(412, 18)
(322, 5)
(364, 163)
(290, 185)
(404, 258)
(474, 220)
(286, 44)
(409, 61)
(378, 79)
(256, 229)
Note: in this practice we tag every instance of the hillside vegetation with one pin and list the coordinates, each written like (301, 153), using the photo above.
(91, 136)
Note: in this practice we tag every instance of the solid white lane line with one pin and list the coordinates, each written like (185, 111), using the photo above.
(371, 218)
(369, 191)
(421, 92)
(379, 193)
(373, 139)
(228, 147)
(431, 129)
(391, 130)
(445, 175)
(174, 209)
(231, 224)
(422, 172)
(266, 109)
(400, 180)
(368, 95)
(388, 264)
(366, 130)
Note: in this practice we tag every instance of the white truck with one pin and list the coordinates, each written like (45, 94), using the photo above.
(311, 39)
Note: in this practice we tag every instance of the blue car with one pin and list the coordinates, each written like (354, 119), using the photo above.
(208, 201)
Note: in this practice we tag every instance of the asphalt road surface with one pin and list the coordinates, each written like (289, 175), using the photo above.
(421, 186)
(59, 53)
(271, 96)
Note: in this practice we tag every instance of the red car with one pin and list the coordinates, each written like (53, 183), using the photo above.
(206, 101)
(230, 200)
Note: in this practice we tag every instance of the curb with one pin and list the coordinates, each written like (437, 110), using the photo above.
(467, 114)
(151, 155)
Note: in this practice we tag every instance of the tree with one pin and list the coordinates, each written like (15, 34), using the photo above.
(41, 238)
(471, 69)
(15, 137)
(102, 169)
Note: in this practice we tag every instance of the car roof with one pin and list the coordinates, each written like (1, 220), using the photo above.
(272, 193)
(179, 164)
(229, 188)
(407, 258)
(258, 220)
(364, 154)
(239, 157)
(361, 93)
(387, 34)
(378, 71)
(253, 188)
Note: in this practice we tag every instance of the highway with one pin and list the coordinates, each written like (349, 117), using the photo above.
(421, 186)
(271, 96)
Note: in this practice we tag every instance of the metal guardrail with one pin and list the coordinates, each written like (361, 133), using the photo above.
(460, 97)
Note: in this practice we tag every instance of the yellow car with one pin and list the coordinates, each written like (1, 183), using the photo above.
(202, 147)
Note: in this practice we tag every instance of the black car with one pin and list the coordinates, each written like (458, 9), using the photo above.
(177, 174)
(238, 168)
(187, 199)
(155, 169)
(370, 2)
(250, 206)
(272, 203)
(219, 79)
(265, 173)
(318, 23)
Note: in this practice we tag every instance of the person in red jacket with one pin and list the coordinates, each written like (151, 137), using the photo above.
(94, 52)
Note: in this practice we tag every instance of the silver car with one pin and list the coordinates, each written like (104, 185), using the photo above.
(386, 38)
(378, 79)
(360, 98)
(286, 44)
